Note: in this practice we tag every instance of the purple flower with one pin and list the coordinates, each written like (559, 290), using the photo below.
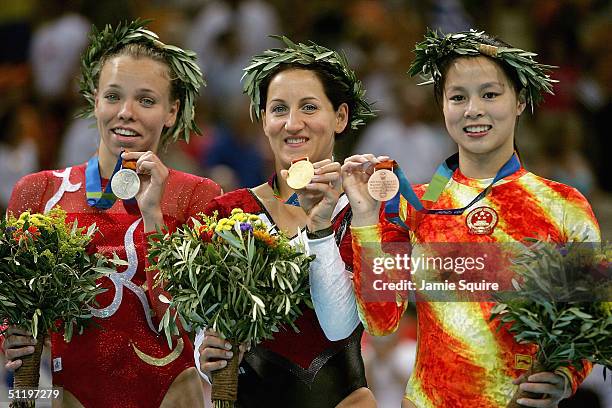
(9, 231)
(245, 227)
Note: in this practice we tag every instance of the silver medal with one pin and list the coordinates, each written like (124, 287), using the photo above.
(125, 184)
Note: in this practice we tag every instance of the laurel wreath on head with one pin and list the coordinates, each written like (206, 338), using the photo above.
(437, 46)
(261, 66)
(182, 64)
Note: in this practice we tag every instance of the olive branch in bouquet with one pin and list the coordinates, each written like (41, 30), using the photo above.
(562, 303)
(46, 276)
(232, 276)
(46, 273)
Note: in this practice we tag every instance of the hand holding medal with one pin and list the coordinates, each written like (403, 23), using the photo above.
(383, 184)
(356, 172)
(125, 184)
(319, 196)
(300, 173)
(152, 174)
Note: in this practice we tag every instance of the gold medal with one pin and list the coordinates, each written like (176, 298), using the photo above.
(383, 184)
(125, 184)
(300, 173)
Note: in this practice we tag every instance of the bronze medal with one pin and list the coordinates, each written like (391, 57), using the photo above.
(383, 184)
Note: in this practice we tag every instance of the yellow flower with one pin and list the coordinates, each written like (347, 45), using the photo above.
(606, 308)
(24, 216)
(237, 211)
(238, 217)
(41, 220)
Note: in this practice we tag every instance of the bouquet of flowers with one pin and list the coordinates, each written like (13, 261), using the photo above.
(46, 275)
(563, 304)
(232, 276)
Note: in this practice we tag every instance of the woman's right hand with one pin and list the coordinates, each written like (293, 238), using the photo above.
(215, 351)
(356, 172)
(17, 343)
(318, 198)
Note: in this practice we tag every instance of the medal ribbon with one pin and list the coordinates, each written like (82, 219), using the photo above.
(93, 185)
(438, 182)
(293, 200)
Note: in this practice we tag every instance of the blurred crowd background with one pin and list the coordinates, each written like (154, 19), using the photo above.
(41, 42)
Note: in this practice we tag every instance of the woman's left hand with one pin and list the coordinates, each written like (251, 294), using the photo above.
(153, 174)
(553, 386)
(319, 198)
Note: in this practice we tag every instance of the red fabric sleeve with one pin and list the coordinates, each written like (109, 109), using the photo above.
(203, 193)
(379, 317)
(30, 193)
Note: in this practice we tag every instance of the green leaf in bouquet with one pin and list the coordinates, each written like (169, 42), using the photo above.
(563, 323)
(563, 315)
(237, 282)
(52, 277)
(211, 309)
(548, 306)
(35, 324)
(250, 250)
(231, 239)
(529, 322)
(580, 314)
(118, 261)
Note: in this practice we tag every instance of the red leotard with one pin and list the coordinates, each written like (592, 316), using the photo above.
(119, 361)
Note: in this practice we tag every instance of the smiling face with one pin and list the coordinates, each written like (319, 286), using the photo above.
(480, 109)
(299, 119)
(132, 105)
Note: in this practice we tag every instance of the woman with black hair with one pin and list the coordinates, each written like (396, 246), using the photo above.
(481, 195)
(304, 105)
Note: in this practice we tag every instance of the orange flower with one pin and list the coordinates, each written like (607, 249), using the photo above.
(33, 230)
(19, 234)
(265, 238)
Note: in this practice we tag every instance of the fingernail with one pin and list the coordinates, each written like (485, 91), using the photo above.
(228, 346)
(229, 354)
(520, 401)
(223, 363)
